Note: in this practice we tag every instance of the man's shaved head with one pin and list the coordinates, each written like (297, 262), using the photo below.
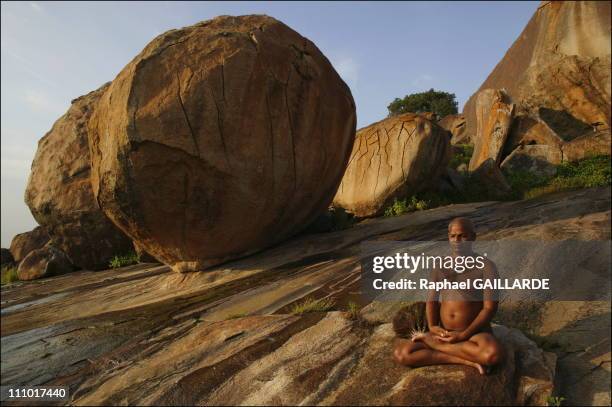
(461, 234)
(465, 222)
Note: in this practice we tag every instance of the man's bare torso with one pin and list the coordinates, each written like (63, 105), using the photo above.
(458, 308)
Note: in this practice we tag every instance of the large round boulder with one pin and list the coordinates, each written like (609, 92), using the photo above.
(220, 139)
(59, 192)
(392, 158)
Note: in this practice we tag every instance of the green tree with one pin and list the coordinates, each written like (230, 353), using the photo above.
(438, 102)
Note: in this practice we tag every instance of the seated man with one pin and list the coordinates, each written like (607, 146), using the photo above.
(459, 327)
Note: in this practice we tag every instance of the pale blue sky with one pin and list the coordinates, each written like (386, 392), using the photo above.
(53, 52)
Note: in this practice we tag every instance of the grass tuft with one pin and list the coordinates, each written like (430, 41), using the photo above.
(352, 308)
(555, 400)
(8, 274)
(402, 206)
(124, 260)
(462, 153)
(312, 305)
(586, 173)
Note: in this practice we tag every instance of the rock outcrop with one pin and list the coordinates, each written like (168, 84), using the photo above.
(537, 159)
(45, 262)
(146, 335)
(59, 192)
(332, 363)
(456, 124)
(23, 243)
(560, 63)
(395, 157)
(596, 143)
(220, 139)
(527, 130)
(494, 114)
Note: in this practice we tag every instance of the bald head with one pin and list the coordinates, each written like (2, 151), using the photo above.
(461, 229)
(465, 223)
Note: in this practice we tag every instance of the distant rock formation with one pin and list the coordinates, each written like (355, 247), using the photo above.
(394, 157)
(561, 61)
(221, 139)
(557, 73)
(59, 192)
(23, 243)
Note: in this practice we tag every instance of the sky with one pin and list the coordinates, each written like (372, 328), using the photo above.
(53, 52)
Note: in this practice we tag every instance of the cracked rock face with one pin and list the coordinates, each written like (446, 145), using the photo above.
(395, 157)
(59, 192)
(220, 139)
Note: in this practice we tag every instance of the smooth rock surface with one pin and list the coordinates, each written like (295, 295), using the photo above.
(221, 139)
(395, 157)
(23, 243)
(145, 334)
(59, 192)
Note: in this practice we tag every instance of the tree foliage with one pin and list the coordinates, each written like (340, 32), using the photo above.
(438, 102)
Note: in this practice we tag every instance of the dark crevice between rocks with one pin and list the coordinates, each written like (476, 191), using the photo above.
(564, 124)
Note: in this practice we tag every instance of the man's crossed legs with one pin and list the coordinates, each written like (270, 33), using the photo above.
(480, 351)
